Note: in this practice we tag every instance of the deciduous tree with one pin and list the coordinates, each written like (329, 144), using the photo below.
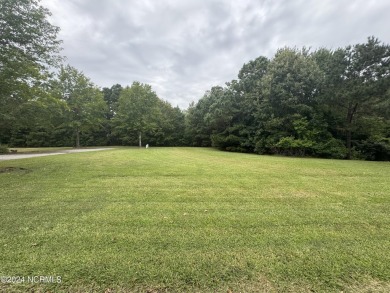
(28, 47)
(85, 103)
(137, 112)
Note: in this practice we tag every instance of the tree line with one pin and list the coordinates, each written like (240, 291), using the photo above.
(44, 102)
(326, 103)
(323, 103)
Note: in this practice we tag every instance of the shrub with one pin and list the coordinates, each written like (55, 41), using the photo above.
(293, 147)
(4, 149)
(230, 143)
(332, 149)
(375, 150)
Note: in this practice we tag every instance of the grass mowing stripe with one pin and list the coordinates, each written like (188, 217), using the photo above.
(195, 219)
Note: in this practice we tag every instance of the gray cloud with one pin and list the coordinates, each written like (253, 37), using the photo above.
(182, 48)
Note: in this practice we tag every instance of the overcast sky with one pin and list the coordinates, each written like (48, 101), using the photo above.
(184, 47)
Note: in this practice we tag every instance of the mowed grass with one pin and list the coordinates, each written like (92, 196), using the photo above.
(195, 220)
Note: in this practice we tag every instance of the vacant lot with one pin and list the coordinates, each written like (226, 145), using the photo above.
(197, 220)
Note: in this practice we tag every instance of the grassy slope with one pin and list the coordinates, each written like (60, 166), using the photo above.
(196, 219)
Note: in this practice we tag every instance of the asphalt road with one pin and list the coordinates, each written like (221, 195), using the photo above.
(25, 156)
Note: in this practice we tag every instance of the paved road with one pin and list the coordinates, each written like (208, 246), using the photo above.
(63, 152)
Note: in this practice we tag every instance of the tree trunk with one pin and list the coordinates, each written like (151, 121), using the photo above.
(140, 139)
(349, 143)
(351, 112)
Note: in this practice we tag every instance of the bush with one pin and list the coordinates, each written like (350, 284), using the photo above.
(374, 150)
(264, 145)
(230, 143)
(38, 138)
(332, 149)
(293, 147)
(4, 149)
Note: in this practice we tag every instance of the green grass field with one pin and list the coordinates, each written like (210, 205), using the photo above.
(194, 220)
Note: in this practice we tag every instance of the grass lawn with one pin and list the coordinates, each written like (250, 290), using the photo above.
(194, 220)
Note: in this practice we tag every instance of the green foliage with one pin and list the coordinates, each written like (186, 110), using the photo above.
(357, 83)
(137, 113)
(85, 107)
(111, 97)
(326, 103)
(332, 104)
(4, 149)
(374, 150)
(291, 83)
(142, 116)
(28, 47)
(198, 131)
(171, 126)
(229, 143)
(293, 147)
(331, 148)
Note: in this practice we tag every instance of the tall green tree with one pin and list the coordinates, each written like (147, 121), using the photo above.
(137, 113)
(86, 107)
(28, 48)
(248, 91)
(41, 119)
(198, 130)
(287, 109)
(111, 97)
(171, 126)
(326, 103)
(224, 116)
(358, 81)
